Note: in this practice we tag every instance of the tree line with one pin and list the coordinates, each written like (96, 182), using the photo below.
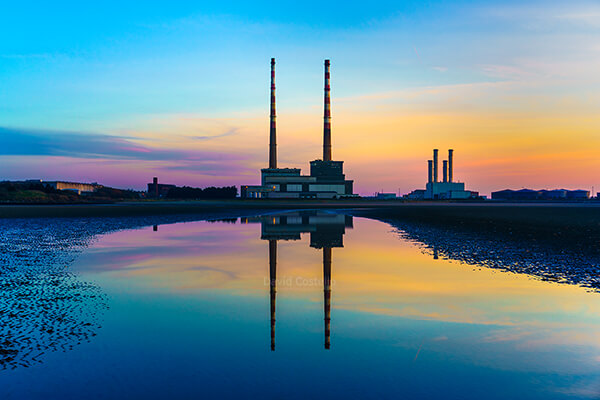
(186, 192)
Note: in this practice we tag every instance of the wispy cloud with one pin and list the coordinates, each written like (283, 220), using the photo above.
(27, 142)
(230, 132)
(505, 71)
(548, 14)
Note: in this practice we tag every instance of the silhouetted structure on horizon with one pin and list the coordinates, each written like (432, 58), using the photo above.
(157, 190)
(326, 179)
(446, 189)
(529, 194)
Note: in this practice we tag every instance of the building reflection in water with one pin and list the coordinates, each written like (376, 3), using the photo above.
(326, 232)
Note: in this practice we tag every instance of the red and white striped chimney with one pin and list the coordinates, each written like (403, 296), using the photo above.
(327, 117)
(273, 128)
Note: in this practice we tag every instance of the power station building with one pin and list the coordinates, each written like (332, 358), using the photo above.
(446, 189)
(529, 194)
(326, 179)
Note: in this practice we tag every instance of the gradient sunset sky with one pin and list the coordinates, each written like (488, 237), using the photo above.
(118, 92)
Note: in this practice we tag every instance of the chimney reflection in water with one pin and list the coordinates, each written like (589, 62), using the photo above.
(327, 293)
(326, 231)
(272, 285)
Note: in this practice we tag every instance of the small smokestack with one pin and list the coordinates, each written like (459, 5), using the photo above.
(273, 127)
(155, 182)
(327, 117)
(450, 165)
(430, 171)
(435, 165)
(445, 170)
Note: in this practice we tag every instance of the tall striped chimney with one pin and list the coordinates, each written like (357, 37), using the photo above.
(273, 128)
(435, 165)
(327, 117)
(450, 165)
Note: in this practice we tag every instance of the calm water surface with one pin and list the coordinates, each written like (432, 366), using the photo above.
(313, 305)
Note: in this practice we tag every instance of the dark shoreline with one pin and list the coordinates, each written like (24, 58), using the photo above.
(584, 216)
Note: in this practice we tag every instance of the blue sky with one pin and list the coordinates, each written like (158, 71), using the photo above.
(153, 73)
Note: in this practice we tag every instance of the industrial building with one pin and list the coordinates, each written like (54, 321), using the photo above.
(529, 194)
(446, 189)
(157, 190)
(326, 179)
(77, 187)
(385, 196)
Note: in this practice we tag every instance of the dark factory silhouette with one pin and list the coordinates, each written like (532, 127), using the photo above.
(326, 232)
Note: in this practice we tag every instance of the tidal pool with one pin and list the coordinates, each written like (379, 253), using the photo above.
(291, 305)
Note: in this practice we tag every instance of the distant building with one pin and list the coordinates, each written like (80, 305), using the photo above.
(385, 196)
(157, 190)
(418, 194)
(72, 186)
(446, 189)
(578, 194)
(509, 194)
(529, 194)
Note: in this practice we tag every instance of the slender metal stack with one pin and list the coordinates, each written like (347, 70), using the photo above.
(435, 165)
(429, 171)
(327, 117)
(447, 168)
(450, 165)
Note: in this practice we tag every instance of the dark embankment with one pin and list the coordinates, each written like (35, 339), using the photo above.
(153, 208)
(579, 216)
(129, 209)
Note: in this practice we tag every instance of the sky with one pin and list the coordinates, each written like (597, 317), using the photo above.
(117, 93)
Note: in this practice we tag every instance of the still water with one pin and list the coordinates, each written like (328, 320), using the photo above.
(289, 306)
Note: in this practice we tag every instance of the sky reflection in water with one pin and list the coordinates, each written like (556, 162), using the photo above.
(192, 314)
